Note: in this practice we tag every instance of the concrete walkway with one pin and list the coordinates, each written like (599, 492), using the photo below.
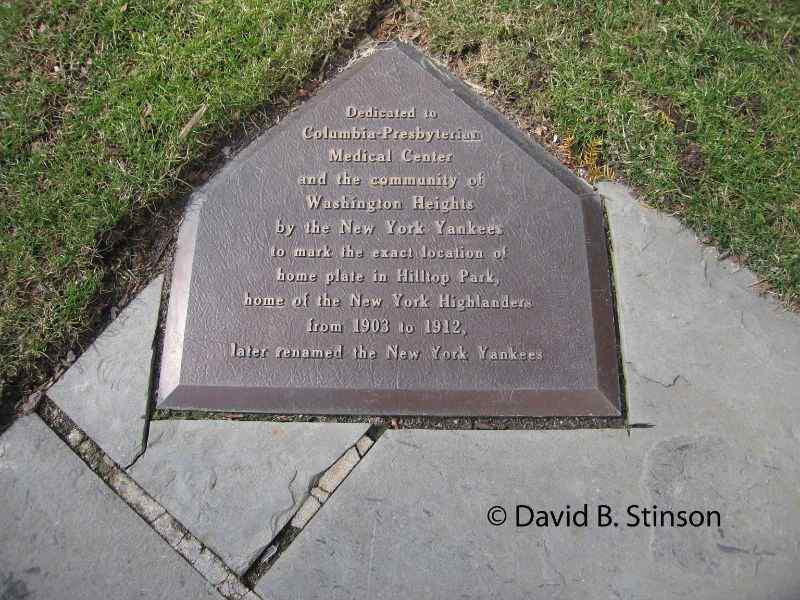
(712, 383)
(65, 535)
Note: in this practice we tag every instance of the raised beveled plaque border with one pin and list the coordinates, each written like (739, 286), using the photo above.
(604, 400)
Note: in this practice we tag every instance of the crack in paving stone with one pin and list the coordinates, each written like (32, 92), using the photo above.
(139, 455)
(276, 518)
(672, 383)
(200, 557)
(320, 491)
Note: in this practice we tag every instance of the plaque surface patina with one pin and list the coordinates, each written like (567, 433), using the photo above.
(394, 246)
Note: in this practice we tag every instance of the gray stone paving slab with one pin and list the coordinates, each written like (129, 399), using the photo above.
(411, 520)
(235, 484)
(65, 535)
(105, 392)
(709, 364)
(693, 326)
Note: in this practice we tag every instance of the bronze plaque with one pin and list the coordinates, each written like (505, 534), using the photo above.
(393, 247)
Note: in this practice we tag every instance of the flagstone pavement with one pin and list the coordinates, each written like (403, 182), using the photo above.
(116, 507)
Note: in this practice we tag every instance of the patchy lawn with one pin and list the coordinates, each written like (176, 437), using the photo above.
(694, 102)
(102, 102)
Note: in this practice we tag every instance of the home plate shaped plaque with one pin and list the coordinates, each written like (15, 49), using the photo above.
(392, 247)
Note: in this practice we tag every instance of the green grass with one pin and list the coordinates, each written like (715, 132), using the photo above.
(93, 97)
(695, 102)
